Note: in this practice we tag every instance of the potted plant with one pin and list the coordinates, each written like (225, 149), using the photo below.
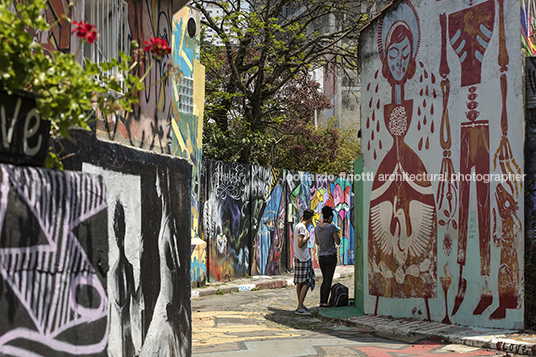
(67, 93)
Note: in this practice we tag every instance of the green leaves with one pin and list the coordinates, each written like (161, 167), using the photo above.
(254, 99)
(69, 93)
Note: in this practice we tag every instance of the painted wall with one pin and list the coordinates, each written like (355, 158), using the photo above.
(149, 245)
(188, 92)
(226, 220)
(528, 21)
(422, 229)
(530, 193)
(53, 263)
(249, 213)
(148, 126)
(316, 191)
(59, 38)
(268, 205)
(299, 188)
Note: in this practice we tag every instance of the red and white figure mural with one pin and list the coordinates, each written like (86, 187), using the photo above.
(402, 224)
(470, 39)
(507, 196)
(463, 80)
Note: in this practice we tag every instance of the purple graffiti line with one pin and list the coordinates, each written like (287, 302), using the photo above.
(44, 276)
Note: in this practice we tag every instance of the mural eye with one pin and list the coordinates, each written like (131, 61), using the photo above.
(343, 206)
(393, 53)
(405, 52)
(270, 224)
(281, 224)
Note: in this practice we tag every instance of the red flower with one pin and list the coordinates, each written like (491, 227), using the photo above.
(158, 47)
(85, 31)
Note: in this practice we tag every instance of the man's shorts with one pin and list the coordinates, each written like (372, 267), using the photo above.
(304, 273)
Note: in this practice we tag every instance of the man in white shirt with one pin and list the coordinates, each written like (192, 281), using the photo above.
(304, 274)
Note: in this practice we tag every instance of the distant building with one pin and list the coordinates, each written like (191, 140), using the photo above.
(343, 87)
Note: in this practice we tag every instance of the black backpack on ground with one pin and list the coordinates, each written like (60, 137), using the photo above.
(339, 295)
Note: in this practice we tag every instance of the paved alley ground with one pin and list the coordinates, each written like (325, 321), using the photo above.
(263, 323)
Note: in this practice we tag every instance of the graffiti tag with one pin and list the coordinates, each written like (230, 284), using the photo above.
(516, 348)
(230, 180)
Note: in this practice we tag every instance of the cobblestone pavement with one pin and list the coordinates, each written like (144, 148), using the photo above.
(263, 323)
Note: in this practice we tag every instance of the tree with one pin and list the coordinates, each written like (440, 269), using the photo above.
(265, 47)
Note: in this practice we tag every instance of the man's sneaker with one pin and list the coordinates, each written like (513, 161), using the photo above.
(307, 309)
(302, 311)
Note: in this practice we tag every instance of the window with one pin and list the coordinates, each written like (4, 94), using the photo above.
(111, 19)
(186, 95)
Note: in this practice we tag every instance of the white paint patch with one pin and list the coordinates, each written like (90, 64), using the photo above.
(127, 190)
(245, 287)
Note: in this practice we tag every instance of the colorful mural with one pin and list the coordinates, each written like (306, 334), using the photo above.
(148, 126)
(468, 203)
(402, 225)
(188, 91)
(316, 191)
(59, 36)
(299, 188)
(254, 209)
(528, 26)
(342, 201)
(53, 263)
(268, 220)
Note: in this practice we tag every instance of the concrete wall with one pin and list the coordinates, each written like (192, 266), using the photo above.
(53, 263)
(249, 212)
(149, 245)
(442, 94)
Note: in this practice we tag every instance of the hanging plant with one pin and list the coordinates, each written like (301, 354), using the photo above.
(68, 94)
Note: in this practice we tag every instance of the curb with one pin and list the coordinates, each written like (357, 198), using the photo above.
(501, 340)
(265, 282)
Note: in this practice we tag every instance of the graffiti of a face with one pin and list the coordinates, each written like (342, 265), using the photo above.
(399, 38)
(399, 50)
(398, 55)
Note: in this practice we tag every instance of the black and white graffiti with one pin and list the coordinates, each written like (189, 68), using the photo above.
(53, 259)
(149, 244)
(125, 245)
